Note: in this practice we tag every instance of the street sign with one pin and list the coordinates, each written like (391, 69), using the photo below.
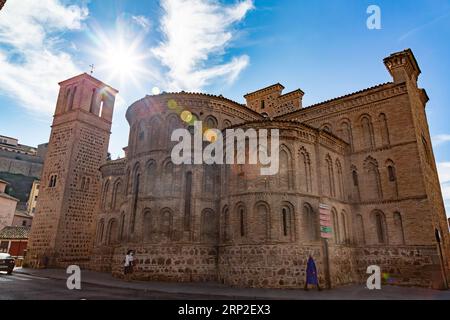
(326, 230)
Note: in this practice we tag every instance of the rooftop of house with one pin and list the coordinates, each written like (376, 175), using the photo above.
(14, 233)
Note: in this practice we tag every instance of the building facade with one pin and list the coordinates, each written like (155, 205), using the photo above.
(20, 159)
(366, 156)
(14, 240)
(32, 199)
(8, 206)
(63, 225)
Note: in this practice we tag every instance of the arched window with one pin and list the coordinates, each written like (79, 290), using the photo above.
(226, 232)
(384, 129)
(141, 134)
(367, 131)
(373, 183)
(285, 170)
(105, 195)
(391, 173)
(398, 228)
(379, 223)
(52, 181)
(355, 178)
(151, 176)
(122, 226)
(100, 228)
(71, 99)
(305, 170)
(260, 226)
(112, 232)
(155, 136)
(392, 186)
(242, 220)
(136, 191)
(311, 225)
(67, 95)
(158, 225)
(209, 178)
(340, 179)
(336, 227)
(287, 222)
(210, 122)
(330, 173)
(187, 201)
(226, 123)
(360, 232)
(127, 182)
(343, 224)
(327, 128)
(355, 184)
(117, 189)
(168, 180)
(150, 226)
(209, 226)
(93, 101)
(345, 132)
(173, 124)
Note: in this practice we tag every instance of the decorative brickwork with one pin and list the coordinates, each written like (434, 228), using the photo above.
(366, 155)
(63, 226)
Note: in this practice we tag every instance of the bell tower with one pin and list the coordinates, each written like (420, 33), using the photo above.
(63, 226)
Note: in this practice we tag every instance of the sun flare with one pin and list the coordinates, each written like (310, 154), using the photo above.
(120, 55)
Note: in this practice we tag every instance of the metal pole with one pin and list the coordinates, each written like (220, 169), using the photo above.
(326, 264)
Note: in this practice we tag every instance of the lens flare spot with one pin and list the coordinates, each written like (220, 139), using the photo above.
(210, 135)
(172, 104)
(186, 116)
(156, 91)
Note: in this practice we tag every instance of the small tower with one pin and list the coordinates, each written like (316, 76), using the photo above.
(271, 102)
(62, 231)
(403, 66)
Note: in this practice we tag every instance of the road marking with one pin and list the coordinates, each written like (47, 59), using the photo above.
(29, 276)
(20, 277)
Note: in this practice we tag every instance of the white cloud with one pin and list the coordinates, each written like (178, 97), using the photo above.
(444, 171)
(440, 139)
(444, 177)
(142, 21)
(31, 63)
(196, 32)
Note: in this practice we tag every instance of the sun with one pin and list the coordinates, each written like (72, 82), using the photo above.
(119, 55)
(121, 61)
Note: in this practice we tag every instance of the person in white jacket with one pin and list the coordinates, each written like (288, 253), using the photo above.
(129, 264)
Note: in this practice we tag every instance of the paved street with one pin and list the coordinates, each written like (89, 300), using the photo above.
(51, 284)
(25, 287)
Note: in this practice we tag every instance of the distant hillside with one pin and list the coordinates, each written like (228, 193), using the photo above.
(20, 187)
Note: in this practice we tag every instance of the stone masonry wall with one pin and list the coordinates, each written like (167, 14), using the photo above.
(177, 262)
(274, 266)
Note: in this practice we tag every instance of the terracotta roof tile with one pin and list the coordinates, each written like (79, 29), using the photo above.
(14, 233)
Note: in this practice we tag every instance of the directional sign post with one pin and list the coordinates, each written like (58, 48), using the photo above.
(326, 230)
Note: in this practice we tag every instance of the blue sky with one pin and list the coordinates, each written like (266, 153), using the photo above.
(221, 47)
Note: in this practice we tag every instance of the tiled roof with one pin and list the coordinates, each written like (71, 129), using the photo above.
(14, 233)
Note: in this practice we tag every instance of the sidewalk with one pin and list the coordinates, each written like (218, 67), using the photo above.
(351, 292)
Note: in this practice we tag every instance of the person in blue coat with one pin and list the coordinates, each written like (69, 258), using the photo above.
(311, 274)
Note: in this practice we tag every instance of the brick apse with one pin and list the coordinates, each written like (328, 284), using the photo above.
(366, 155)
